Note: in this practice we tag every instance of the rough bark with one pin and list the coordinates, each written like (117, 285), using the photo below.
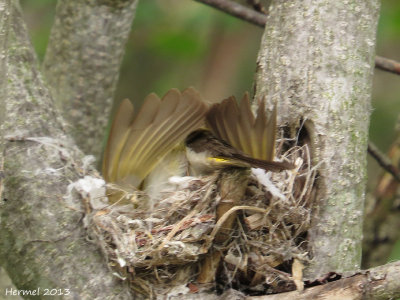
(82, 64)
(43, 241)
(378, 283)
(4, 29)
(316, 61)
(253, 16)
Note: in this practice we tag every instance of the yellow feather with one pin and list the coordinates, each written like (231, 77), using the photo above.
(138, 142)
(237, 125)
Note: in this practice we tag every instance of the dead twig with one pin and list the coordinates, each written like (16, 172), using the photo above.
(383, 161)
(237, 10)
(242, 12)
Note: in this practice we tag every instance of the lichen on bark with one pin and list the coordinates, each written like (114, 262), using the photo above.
(316, 62)
(43, 241)
(82, 64)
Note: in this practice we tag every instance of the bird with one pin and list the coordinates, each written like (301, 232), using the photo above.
(206, 153)
(147, 147)
(234, 137)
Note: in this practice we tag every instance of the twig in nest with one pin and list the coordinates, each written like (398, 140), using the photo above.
(297, 274)
(225, 216)
(232, 187)
(196, 210)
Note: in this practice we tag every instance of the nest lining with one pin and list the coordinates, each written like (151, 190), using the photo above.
(161, 248)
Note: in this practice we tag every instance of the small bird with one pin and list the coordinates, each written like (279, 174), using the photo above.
(145, 148)
(236, 138)
(207, 153)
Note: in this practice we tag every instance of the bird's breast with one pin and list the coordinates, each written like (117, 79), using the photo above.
(199, 162)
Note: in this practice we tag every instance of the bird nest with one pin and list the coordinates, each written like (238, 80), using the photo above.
(167, 247)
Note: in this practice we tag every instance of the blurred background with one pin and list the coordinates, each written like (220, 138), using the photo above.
(195, 45)
(189, 45)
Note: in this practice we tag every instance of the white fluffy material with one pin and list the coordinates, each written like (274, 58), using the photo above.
(91, 188)
(264, 178)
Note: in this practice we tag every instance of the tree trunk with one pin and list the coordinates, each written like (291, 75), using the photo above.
(43, 240)
(82, 64)
(316, 62)
(4, 30)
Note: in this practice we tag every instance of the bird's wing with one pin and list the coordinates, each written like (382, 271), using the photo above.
(266, 126)
(237, 125)
(116, 139)
(137, 142)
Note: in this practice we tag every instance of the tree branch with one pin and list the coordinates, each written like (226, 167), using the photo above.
(382, 213)
(259, 19)
(387, 65)
(376, 283)
(383, 161)
(82, 64)
(43, 242)
(237, 10)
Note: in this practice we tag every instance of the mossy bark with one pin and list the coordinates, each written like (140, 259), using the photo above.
(316, 62)
(82, 64)
(43, 241)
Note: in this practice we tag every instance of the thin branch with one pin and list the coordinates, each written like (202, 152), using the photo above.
(387, 65)
(237, 10)
(257, 6)
(383, 161)
(259, 19)
(382, 216)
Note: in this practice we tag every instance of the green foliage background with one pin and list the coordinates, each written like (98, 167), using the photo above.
(178, 43)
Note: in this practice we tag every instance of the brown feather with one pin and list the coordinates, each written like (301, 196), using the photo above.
(135, 147)
(203, 141)
(216, 114)
(168, 106)
(228, 106)
(237, 125)
(138, 133)
(263, 164)
(231, 115)
(117, 135)
(246, 121)
(270, 134)
(189, 114)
